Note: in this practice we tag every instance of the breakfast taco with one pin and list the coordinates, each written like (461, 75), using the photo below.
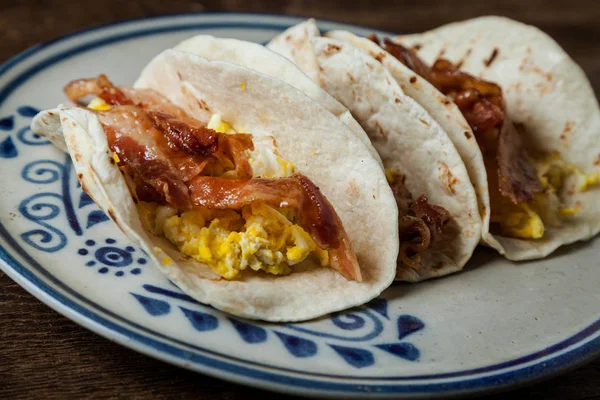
(507, 91)
(439, 220)
(249, 195)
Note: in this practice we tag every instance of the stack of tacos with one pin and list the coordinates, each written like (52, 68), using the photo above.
(518, 110)
(290, 181)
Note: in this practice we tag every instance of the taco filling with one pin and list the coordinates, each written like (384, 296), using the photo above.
(420, 224)
(524, 186)
(226, 199)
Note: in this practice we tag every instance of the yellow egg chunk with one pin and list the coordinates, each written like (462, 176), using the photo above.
(217, 124)
(528, 220)
(268, 241)
(567, 212)
(523, 223)
(389, 175)
(99, 105)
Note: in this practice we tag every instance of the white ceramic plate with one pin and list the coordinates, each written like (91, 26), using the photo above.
(496, 325)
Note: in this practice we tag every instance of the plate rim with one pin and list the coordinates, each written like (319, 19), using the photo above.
(52, 298)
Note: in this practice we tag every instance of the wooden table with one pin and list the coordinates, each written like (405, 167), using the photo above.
(44, 355)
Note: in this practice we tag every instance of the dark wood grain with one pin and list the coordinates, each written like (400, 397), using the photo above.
(44, 355)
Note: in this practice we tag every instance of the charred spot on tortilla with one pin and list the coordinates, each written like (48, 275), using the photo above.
(179, 76)
(417, 46)
(424, 122)
(84, 186)
(397, 101)
(331, 49)
(441, 53)
(597, 160)
(413, 79)
(350, 77)
(381, 131)
(111, 214)
(564, 136)
(468, 134)
(111, 160)
(492, 57)
(202, 104)
(371, 67)
(460, 63)
(448, 178)
(352, 188)
(379, 56)
(446, 102)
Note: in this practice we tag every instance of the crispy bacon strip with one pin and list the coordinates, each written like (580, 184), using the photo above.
(420, 224)
(182, 132)
(482, 105)
(160, 173)
(315, 214)
(100, 86)
(192, 140)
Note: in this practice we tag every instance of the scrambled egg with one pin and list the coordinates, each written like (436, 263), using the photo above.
(99, 105)
(261, 238)
(528, 220)
(266, 162)
(217, 124)
(389, 175)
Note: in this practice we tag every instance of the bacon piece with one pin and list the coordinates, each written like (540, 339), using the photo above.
(182, 132)
(144, 155)
(314, 212)
(100, 86)
(200, 140)
(228, 149)
(435, 217)
(420, 224)
(518, 179)
(482, 105)
(406, 57)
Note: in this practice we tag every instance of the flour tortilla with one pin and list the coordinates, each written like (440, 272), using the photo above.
(407, 138)
(337, 162)
(547, 92)
(260, 59)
